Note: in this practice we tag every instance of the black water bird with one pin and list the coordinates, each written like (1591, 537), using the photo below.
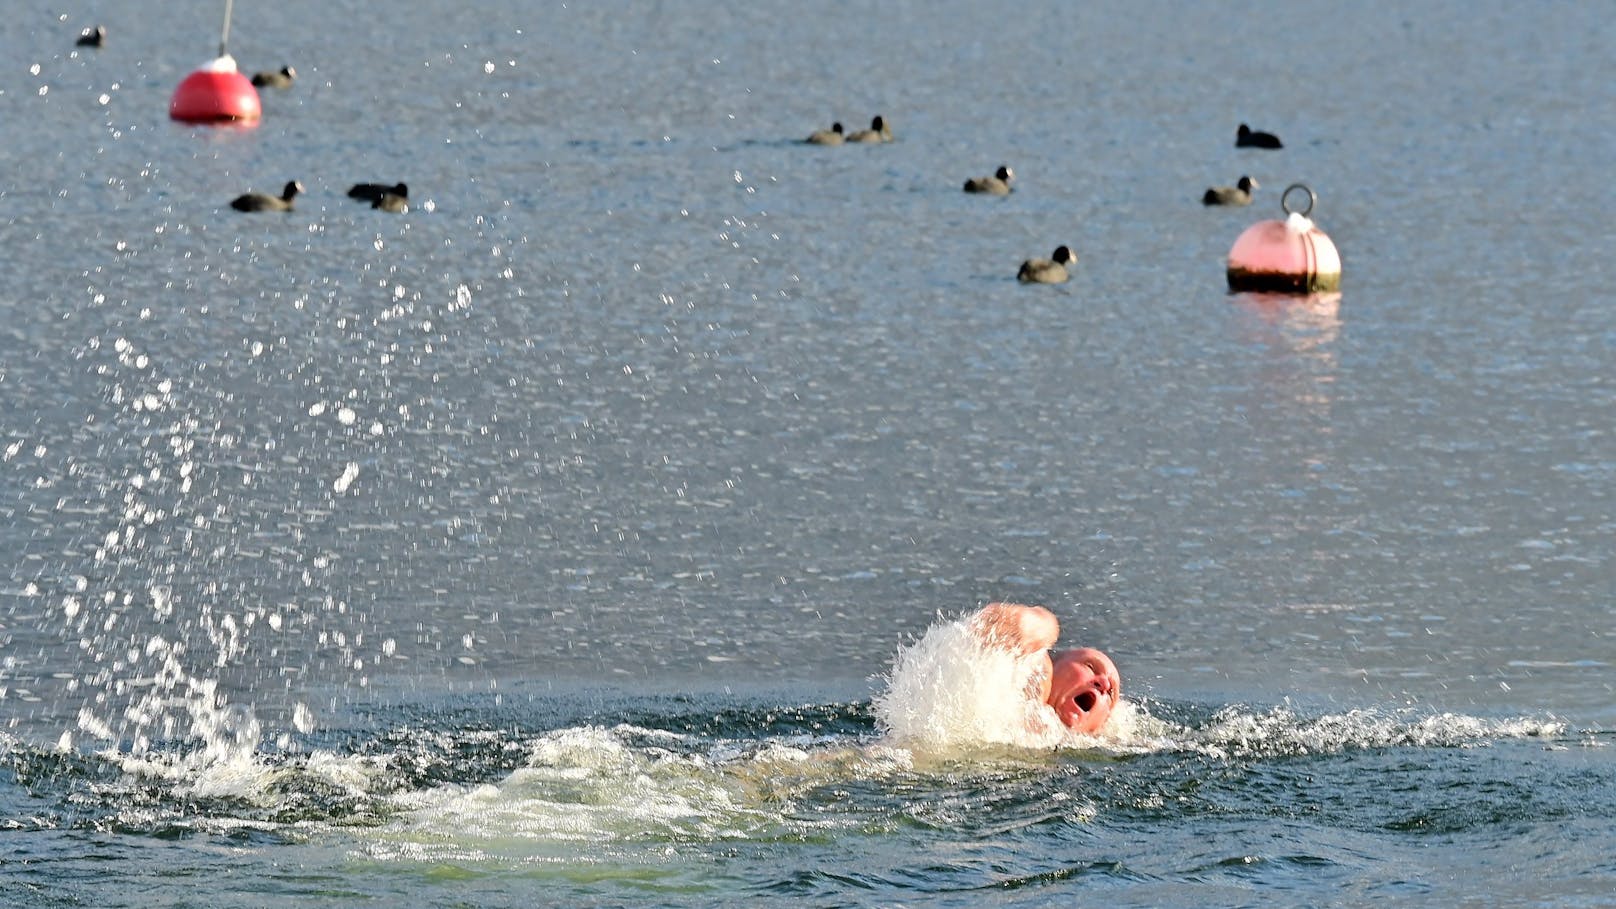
(1047, 271)
(372, 192)
(281, 78)
(1246, 137)
(996, 185)
(92, 37)
(1239, 194)
(266, 202)
(832, 136)
(880, 131)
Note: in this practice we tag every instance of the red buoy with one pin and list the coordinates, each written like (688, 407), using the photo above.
(1289, 256)
(216, 93)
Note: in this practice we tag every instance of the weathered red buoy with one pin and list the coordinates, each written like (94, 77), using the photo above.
(1289, 256)
(216, 93)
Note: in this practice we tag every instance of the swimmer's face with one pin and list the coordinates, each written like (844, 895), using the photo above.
(1084, 686)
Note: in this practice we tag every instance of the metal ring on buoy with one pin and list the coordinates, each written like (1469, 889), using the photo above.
(1311, 198)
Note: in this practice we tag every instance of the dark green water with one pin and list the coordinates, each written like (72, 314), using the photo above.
(725, 801)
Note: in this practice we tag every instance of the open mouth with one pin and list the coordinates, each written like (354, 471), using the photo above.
(1087, 701)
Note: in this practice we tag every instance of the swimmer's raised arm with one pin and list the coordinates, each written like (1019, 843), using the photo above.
(1026, 631)
(1017, 628)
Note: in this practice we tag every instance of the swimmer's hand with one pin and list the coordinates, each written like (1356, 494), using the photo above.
(1017, 628)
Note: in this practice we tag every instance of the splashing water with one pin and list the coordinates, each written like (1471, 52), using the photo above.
(950, 690)
(161, 635)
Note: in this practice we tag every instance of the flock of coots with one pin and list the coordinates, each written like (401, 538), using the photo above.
(878, 132)
(1054, 269)
(395, 198)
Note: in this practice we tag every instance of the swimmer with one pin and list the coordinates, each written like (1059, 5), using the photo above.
(1082, 686)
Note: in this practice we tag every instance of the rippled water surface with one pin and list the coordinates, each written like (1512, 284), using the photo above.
(548, 543)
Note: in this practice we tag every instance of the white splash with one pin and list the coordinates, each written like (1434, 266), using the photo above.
(947, 691)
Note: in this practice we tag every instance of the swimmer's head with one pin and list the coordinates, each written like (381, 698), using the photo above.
(1084, 687)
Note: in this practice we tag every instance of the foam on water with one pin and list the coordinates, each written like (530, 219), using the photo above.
(1239, 732)
(597, 786)
(618, 789)
(588, 786)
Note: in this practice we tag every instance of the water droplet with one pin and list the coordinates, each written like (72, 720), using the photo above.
(349, 474)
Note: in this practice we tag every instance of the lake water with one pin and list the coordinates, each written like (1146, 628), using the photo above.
(550, 544)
